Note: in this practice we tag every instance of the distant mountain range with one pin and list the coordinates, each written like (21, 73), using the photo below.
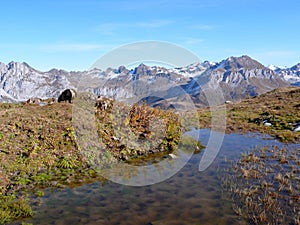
(238, 77)
(292, 75)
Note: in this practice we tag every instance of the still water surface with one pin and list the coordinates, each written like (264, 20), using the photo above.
(188, 197)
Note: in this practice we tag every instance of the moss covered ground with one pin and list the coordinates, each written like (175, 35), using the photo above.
(280, 107)
(38, 148)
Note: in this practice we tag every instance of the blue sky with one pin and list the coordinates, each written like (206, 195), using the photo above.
(73, 34)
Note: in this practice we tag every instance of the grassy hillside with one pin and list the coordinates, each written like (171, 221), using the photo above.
(38, 147)
(281, 107)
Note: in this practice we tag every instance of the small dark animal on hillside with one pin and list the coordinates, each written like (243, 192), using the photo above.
(67, 95)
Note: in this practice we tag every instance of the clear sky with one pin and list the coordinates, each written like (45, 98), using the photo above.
(73, 34)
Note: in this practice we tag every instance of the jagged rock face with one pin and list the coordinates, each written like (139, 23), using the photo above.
(296, 68)
(4, 97)
(238, 77)
(243, 77)
(292, 75)
(21, 82)
(236, 63)
(136, 83)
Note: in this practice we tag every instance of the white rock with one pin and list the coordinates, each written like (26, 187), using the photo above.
(173, 156)
(297, 129)
(267, 124)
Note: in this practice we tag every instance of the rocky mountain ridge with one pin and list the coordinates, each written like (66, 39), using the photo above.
(238, 77)
(292, 75)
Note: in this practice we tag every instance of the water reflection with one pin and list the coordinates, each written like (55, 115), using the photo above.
(189, 197)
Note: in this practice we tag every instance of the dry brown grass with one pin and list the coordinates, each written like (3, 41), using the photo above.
(264, 186)
(37, 149)
(38, 145)
(281, 107)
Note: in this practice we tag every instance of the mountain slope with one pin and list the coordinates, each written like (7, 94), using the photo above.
(21, 82)
(280, 107)
(292, 75)
(238, 77)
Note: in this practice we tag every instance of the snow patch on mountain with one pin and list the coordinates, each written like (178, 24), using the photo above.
(237, 76)
(193, 70)
(6, 97)
(21, 82)
(292, 75)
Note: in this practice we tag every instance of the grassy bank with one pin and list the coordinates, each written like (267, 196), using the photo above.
(38, 147)
(280, 107)
(263, 185)
(37, 150)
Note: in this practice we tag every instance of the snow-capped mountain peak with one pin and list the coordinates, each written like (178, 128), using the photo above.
(238, 76)
(292, 75)
(272, 67)
(20, 82)
(276, 68)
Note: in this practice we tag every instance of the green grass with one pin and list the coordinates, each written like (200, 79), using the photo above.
(281, 107)
(12, 207)
(39, 148)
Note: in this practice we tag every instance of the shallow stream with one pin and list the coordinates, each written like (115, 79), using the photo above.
(188, 197)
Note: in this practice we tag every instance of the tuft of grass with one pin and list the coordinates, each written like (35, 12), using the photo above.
(187, 143)
(12, 207)
(137, 131)
(264, 186)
